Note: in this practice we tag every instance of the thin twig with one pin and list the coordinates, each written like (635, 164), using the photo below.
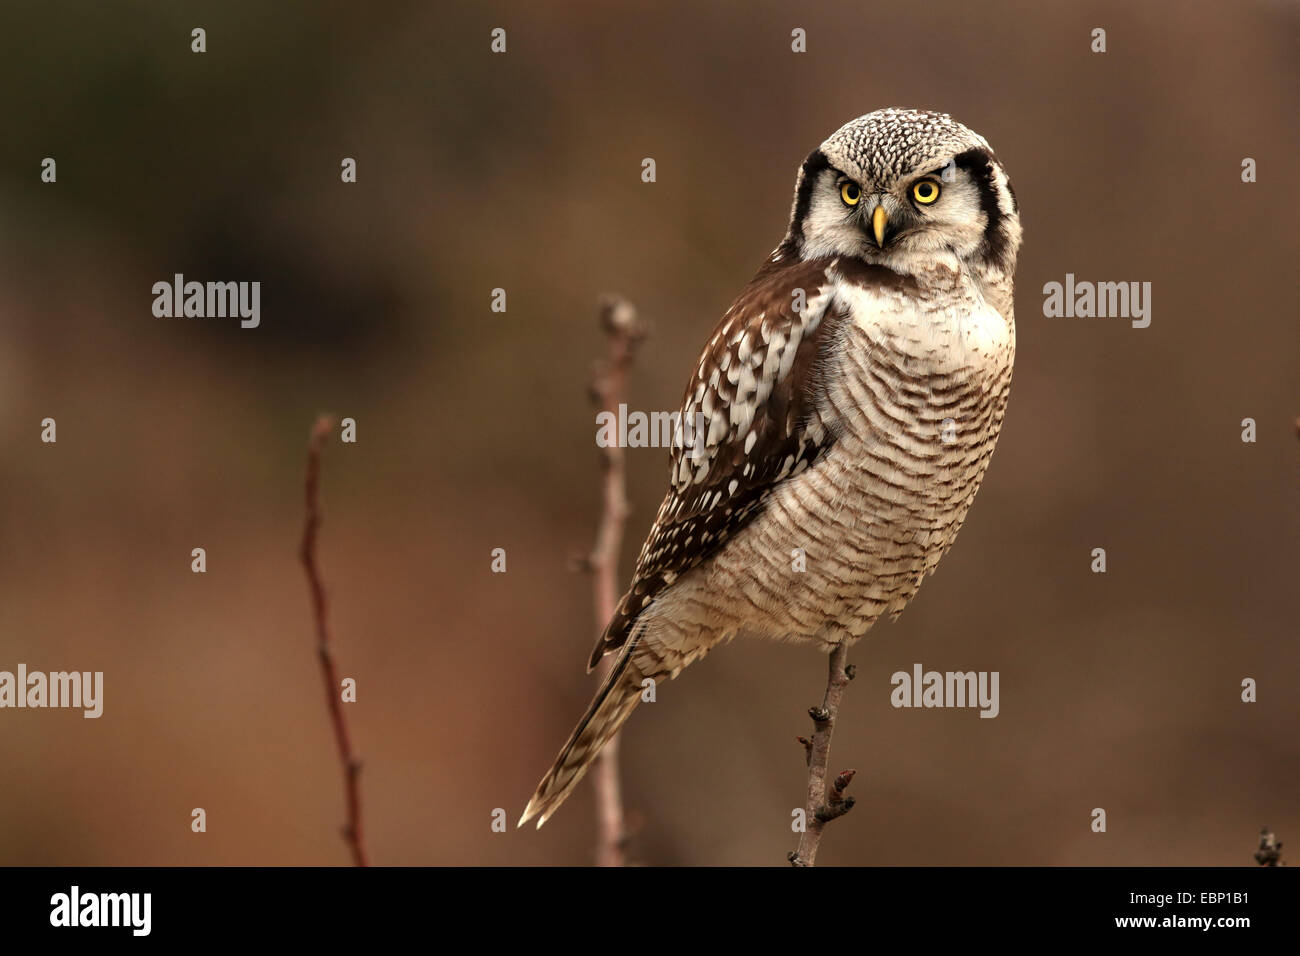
(329, 673)
(619, 320)
(823, 807)
(1270, 850)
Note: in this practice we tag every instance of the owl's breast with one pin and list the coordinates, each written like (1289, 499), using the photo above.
(915, 391)
(918, 394)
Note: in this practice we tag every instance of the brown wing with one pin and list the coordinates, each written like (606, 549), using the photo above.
(749, 419)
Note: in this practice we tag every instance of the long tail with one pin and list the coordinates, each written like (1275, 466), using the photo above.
(612, 705)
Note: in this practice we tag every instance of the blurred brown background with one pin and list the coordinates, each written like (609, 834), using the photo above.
(522, 171)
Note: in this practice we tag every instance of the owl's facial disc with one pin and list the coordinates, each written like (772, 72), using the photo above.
(910, 190)
(930, 212)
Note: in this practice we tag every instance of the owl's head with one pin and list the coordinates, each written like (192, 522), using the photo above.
(905, 188)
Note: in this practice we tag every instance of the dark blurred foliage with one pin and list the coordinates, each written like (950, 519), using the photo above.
(522, 171)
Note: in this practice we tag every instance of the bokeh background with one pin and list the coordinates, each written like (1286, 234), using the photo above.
(522, 171)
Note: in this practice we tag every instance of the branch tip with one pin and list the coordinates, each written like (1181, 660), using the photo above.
(329, 672)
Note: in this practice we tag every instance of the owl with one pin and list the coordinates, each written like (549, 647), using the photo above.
(839, 420)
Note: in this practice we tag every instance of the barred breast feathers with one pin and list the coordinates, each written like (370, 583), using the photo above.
(760, 387)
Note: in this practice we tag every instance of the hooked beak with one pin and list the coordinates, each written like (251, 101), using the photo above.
(879, 220)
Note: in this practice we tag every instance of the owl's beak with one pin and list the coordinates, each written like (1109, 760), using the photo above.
(879, 220)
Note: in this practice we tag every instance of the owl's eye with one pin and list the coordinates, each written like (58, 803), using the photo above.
(851, 194)
(925, 191)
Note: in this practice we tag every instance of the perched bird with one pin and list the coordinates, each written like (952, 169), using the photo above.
(848, 402)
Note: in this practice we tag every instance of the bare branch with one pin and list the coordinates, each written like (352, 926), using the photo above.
(823, 807)
(1270, 850)
(329, 673)
(618, 319)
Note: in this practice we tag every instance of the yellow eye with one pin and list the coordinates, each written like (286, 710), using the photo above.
(851, 194)
(925, 192)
